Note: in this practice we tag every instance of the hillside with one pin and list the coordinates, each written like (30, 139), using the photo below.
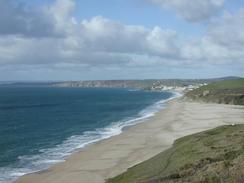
(148, 84)
(212, 156)
(227, 92)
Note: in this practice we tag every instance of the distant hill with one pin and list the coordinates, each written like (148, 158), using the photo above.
(227, 92)
(139, 84)
(212, 156)
(226, 78)
(147, 84)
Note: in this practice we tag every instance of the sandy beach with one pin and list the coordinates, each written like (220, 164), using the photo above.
(110, 157)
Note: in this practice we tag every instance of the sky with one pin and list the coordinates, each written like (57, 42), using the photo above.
(52, 40)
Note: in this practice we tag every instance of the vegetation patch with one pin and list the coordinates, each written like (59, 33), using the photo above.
(211, 156)
(227, 92)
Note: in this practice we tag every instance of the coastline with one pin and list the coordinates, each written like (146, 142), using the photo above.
(44, 158)
(109, 157)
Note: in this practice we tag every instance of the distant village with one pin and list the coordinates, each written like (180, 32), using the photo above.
(158, 86)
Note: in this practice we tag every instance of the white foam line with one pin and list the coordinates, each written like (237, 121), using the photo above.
(48, 157)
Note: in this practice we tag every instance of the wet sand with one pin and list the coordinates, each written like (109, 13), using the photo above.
(110, 157)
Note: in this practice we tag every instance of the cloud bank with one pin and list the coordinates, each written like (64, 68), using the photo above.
(192, 10)
(97, 41)
(52, 38)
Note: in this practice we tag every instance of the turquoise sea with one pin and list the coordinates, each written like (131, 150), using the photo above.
(40, 126)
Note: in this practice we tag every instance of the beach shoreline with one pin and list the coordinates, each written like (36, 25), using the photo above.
(110, 157)
(65, 128)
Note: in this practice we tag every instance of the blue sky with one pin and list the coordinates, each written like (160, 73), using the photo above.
(120, 39)
(134, 12)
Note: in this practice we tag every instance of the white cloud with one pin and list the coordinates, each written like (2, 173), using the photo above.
(228, 30)
(61, 11)
(222, 43)
(192, 10)
(100, 42)
(16, 19)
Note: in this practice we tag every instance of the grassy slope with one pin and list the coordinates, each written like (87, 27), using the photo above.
(212, 156)
(229, 92)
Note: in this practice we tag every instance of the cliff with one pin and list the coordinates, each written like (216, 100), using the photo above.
(226, 92)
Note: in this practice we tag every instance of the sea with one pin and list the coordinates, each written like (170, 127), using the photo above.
(41, 126)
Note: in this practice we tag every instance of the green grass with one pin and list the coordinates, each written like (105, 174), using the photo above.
(228, 84)
(228, 92)
(189, 156)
